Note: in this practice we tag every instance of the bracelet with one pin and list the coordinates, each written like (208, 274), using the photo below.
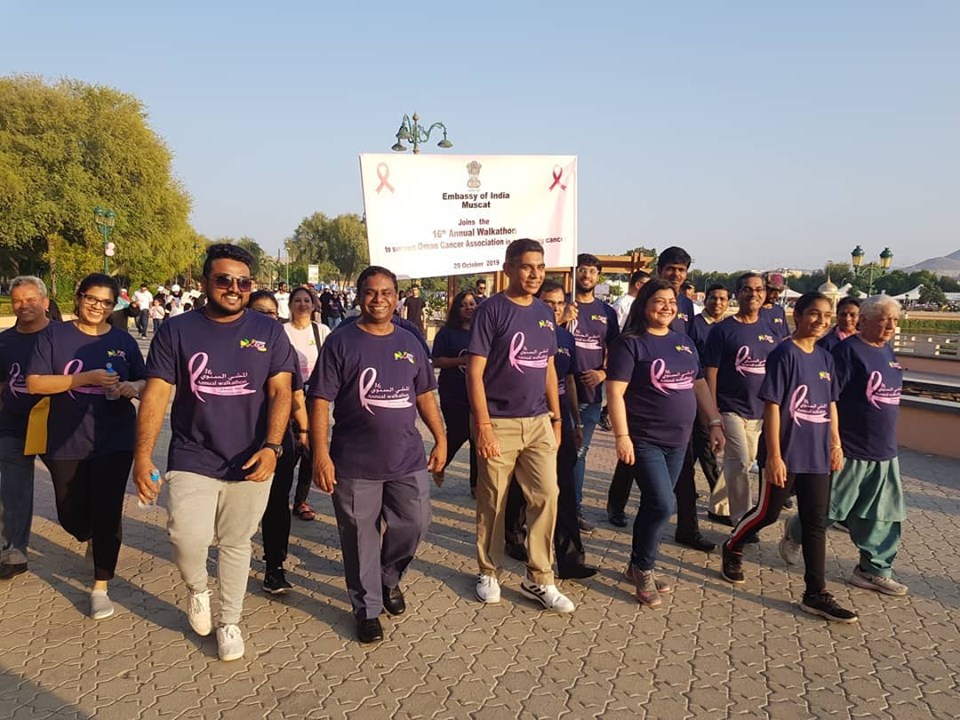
(556, 421)
(621, 436)
(480, 425)
(303, 432)
(715, 423)
(837, 447)
(579, 426)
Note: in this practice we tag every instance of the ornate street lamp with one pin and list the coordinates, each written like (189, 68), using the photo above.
(105, 220)
(414, 133)
(872, 269)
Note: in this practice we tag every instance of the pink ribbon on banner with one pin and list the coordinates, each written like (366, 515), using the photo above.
(874, 384)
(196, 365)
(557, 174)
(796, 402)
(383, 173)
(74, 367)
(368, 378)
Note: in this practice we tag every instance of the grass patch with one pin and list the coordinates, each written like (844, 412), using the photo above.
(934, 327)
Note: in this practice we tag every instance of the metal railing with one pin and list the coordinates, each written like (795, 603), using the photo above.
(927, 345)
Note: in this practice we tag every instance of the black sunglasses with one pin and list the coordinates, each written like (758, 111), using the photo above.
(225, 282)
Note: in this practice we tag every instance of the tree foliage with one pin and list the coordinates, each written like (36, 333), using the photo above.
(68, 147)
(338, 245)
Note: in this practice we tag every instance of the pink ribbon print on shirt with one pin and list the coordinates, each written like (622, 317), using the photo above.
(205, 382)
(520, 357)
(372, 395)
(666, 382)
(878, 393)
(800, 409)
(75, 367)
(746, 365)
(18, 382)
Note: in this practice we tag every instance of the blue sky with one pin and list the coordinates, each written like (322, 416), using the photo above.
(755, 134)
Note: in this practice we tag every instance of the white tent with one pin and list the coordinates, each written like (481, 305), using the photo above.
(789, 294)
(910, 294)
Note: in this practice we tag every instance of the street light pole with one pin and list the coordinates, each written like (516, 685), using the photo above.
(105, 220)
(872, 269)
(415, 134)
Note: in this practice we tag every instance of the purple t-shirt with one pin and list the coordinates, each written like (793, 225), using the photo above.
(373, 382)
(518, 342)
(739, 351)
(777, 317)
(870, 380)
(803, 386)
(594, 330)
(452, 383)
(83, 423)
(660, 372)
(683, 322)
(220, 370)
(16, 349)
(700, 330)
(566, 360)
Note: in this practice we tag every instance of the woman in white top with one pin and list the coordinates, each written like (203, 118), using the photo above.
(307, 337)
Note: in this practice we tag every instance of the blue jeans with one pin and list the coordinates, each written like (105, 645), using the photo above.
(333, 322)
(655, 470)
(16, 499)
(589, 416)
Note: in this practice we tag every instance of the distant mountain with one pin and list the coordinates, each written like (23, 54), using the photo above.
(948, 265)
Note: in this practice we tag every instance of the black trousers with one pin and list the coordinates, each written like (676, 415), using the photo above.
(813, 499)
(567, 544)
(275, 525)
(457, 420)
(685, 490)
(143, 321)
(89, 495)
(704, 455)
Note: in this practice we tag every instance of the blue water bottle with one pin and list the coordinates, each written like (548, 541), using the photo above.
(112, 392)
(155, 479)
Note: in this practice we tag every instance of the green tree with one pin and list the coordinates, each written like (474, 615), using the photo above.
(932, 295)
(949, 284)
(66, 148)
(338, 245)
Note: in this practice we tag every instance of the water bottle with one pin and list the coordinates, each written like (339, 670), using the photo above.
(112, 392)
(155, 479)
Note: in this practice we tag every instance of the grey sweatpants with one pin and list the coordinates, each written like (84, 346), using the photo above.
(202, 508)
(372, 561)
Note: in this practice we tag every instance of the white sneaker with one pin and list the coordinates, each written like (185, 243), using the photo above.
(100, 606)
(548, 596)
(229, 642)
(885, 585)
(790, 549)
(199, 613)
(487, 589)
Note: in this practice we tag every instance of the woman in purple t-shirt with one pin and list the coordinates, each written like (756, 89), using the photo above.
(654, 387)
(450, 357)
(799, 447)
(91, 370)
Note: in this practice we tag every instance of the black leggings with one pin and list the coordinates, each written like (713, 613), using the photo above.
(89, 497)
(275, 525)
(457, 420)
(813, 498)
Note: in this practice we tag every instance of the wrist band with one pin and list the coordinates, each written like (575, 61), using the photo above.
(715, 423)
(579, 426)
(621, 436)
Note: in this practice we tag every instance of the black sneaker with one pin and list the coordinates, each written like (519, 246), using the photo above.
(585, 527)
(516, 550)
(604, 422)
(823, 604)
(732, 566)
(9, 570)
(275, 582)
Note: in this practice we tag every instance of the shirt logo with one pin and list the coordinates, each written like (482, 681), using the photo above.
(599, 318)
(683, 348)
(800, 409)
(520, 357)
(666, 382)
(258, 345)
(683, 316)
(878, 393)
(18, 381)
(766, 339)
(746, 365)
(546, 324)
(895, 365)
(403, 355)
(76, 366)
(206, 382)
(373, 395)
(117, 353)
(563, 351)
(824, 375)
(778, 320)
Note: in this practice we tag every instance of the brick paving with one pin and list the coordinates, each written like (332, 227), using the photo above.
(711, 651)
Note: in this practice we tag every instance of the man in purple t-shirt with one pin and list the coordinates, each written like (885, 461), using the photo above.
(378, 378)
(513, 389)
(232, 371)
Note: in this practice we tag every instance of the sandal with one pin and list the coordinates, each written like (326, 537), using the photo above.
(304, 512)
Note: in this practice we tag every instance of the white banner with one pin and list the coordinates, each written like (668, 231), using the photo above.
(438, 215)
(313, 274)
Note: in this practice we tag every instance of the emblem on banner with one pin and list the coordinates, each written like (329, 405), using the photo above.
(473, 171)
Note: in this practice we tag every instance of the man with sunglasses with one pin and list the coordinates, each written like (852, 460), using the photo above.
(232, 372)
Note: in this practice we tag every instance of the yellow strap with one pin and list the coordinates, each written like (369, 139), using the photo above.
(36, 441)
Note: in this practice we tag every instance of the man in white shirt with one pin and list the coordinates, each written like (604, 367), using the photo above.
(283, 302)
(624, 302)
(144, 299)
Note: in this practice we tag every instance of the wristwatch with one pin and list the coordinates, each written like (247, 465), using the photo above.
(277, 448)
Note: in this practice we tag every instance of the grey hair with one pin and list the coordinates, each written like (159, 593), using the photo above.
(29, 280)
(876, 304)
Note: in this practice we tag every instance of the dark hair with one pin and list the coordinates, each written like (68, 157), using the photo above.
(453, 314)
(550, 286)
(746, 276)
(219, 251)
(636, 324)
(308, 291)
(806, 300)
(262, 295)
(673, 256)
(687, 285)
(370, 272)
(99, 280)
(588, 260)
(517, 248)
(847, 301)
(637, 276)
(717, 286)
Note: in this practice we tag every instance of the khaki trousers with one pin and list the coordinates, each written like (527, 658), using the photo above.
(528, 450)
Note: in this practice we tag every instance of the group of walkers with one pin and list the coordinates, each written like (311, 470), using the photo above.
(523, 378)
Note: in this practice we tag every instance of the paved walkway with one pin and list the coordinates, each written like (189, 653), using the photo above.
(712, 651)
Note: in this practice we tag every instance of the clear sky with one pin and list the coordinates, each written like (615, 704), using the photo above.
(755, 134)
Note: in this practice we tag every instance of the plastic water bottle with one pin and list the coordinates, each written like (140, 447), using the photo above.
(112, 392)
(155, 479)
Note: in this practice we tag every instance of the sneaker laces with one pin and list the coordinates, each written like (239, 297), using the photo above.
(199, 602)
(230, 632)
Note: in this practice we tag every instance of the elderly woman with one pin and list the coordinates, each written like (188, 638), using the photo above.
(867, 492)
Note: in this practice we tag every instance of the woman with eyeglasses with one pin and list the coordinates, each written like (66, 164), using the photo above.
(275, 525)
(92, 371)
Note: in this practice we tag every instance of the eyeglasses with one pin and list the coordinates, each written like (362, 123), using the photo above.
(226, 282)
(94, 301)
